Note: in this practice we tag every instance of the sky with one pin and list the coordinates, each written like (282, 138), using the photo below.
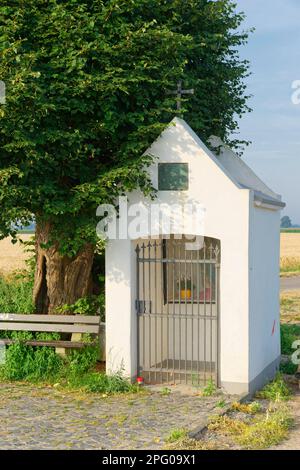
(274, 125)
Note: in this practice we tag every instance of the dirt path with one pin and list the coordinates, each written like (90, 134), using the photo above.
(290, 283)
(293, 441)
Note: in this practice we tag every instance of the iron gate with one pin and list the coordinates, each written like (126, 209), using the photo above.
(178, 308)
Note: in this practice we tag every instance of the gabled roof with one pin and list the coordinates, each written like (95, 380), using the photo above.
(234, 167)
(243, 174)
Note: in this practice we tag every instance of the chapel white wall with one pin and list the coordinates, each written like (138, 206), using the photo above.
(264, 288)
(226, 219)
(121, 326)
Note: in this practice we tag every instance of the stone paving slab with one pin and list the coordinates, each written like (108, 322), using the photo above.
(34, 417)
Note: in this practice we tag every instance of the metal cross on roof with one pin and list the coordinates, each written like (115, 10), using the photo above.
(180, 92)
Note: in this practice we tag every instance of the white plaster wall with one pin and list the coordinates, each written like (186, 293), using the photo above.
(264, 290)
(227, 219)
(121, 332)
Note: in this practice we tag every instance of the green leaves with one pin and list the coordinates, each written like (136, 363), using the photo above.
(87, 94)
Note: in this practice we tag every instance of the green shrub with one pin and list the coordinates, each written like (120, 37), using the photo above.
(289, 334)
(16, 293)
(28, 363)
(77, 370)
(90, 305)
(42, 363)
(288, 368)
(81, 361)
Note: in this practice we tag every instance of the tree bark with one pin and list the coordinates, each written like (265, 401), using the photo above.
(59, 280)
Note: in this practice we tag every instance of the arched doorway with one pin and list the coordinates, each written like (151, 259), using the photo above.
(178, 310)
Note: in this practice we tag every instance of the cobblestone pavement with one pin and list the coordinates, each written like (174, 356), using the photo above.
(34, 417)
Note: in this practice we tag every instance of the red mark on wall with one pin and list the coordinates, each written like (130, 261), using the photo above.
(273, 329)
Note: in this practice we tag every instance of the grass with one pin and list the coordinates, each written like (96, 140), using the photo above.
(187, 443)
(210, 389)
(26, 231)
(290, 307)
(248, 408)
(289, 334)
(95, 382)
(276, 391)
(165, 391)
(16, 293)
(289, 266)
(248, 426)
(290, 328)
(176, 435)
(42, 364)
(290, 253)
(290, 230)
(268, 430)
(221, 404)
(261, 432)
(288, 368)
(77, 372)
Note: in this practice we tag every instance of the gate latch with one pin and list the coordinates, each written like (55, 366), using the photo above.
(143, 306)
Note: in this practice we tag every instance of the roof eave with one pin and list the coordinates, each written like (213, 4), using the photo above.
(264, 201)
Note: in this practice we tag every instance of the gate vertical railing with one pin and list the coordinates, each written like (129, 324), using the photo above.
(178, 311)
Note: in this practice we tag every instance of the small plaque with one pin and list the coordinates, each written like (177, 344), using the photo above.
(173, 176)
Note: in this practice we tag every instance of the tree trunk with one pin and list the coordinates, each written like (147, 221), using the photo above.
(59, 279)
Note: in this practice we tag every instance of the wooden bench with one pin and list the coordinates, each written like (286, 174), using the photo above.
(75, 324)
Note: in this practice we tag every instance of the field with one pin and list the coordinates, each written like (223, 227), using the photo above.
(290, 230)
(13, 257)
(290, 253)
(290, 244)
